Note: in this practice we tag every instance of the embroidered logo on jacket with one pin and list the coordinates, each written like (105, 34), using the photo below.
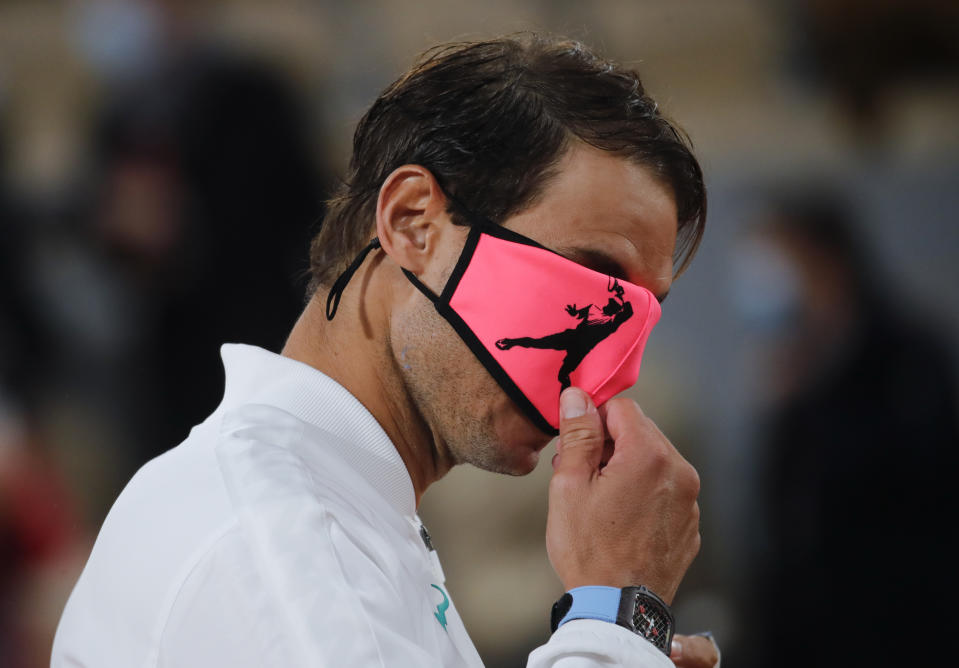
(441, 609)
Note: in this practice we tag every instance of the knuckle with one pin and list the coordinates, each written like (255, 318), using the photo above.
(697, 543)
(658, 455)
(580, 433)
(693, 482)
(562, 483)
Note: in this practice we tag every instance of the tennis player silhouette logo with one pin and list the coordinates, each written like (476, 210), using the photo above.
(595, 324)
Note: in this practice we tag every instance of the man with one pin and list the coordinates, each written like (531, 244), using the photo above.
(860, 403)
(283, 531)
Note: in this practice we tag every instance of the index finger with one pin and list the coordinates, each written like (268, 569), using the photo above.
(623, 418)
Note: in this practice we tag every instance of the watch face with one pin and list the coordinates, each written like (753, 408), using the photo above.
(653, 621)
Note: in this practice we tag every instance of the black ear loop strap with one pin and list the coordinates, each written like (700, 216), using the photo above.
(420, 286)
(339, 285)
(333, 299)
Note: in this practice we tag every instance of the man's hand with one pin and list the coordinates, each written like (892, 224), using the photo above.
(622, 501)
(694, 652)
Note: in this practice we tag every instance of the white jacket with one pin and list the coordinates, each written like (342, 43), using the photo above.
(283, 532)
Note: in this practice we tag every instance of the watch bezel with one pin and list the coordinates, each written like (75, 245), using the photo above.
(628, 603)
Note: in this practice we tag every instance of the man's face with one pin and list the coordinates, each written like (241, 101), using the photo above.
(599, 210)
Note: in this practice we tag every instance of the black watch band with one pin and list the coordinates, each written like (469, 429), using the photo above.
(635, 608)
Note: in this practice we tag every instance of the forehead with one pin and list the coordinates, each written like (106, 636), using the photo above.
(607, 213)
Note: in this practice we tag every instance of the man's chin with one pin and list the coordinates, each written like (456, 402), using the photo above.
(522, 463)
(526, 465)
(517, 447)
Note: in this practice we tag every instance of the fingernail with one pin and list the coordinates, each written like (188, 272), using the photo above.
(677, 650)
(572, 403)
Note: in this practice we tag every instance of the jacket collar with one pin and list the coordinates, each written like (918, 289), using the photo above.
(257, 376)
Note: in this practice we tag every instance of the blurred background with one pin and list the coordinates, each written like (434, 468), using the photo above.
(163, 164)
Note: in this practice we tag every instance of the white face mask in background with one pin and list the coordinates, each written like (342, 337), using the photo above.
(765, 288)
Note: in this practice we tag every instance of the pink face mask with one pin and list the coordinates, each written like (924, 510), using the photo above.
(537, 321)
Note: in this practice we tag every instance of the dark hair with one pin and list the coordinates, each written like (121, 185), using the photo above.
(491, 120)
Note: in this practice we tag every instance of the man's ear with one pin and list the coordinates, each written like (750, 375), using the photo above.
(410, 214)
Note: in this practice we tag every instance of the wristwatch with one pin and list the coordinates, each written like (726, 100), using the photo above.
(635, 608)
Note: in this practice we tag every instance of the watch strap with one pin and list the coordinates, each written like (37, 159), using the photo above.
(587, 603)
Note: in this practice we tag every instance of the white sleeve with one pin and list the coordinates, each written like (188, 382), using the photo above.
(590, 643)
(220, 616)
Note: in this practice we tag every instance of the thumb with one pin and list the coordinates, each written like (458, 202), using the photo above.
(580, 432)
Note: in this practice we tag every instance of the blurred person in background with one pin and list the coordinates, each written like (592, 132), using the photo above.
(207, 188)
(859, 442)
(184, 228)
(284, 529)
